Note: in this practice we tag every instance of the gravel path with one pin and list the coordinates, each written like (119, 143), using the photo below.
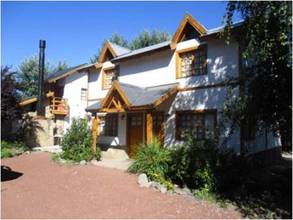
(49, 190)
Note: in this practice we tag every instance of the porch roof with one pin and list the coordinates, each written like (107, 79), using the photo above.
(139, 96)
(94, 107)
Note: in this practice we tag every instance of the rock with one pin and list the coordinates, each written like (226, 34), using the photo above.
(94, 162)
(187, 191)
(143, 180)
(163, 189)
(27, 152)
(83, 162)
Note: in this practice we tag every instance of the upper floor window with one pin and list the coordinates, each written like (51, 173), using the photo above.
(192, 63)
(199, 125)
(83, 94)
(108, 76)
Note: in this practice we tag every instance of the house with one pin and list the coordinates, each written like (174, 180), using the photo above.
(169, 90)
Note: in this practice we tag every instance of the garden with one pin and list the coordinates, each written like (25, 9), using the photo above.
(218, 175)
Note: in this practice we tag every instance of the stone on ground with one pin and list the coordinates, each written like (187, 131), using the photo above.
(116, 154)
(142, 180)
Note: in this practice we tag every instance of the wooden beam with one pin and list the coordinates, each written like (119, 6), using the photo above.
(149, 127)
(95, 133)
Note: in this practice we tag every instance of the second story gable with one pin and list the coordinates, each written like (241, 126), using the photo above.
(194, 57)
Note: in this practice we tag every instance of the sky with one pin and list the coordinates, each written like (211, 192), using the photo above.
(75, 30)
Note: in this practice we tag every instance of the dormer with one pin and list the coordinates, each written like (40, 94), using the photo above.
(188, 29)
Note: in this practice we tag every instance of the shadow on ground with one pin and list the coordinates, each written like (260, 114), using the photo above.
(8, 174)
(265, 192)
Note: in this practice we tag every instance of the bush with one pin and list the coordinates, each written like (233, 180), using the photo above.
(11, 149)
(152, 159)
(77, 142)
(193, 164)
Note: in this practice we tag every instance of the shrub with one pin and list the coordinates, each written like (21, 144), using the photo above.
(77, 141)
(193, 164)
(152, 159)
(11, 149)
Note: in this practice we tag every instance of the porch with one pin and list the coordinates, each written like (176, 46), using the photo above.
(129, 116)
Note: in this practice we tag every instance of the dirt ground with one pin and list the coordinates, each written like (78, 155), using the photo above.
(36, 187)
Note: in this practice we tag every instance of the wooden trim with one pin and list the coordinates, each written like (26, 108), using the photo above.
(184, 50)
(65, 75)
(195, 24)
(223, 84)
(114, 87)
(28, 101)
(178, 66)
(178, 60)
(165, 96)
(106, 47)
(149, 127)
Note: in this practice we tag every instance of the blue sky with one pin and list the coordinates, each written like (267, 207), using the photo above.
(75, 30)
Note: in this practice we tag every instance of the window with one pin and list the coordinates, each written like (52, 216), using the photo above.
(111, 125)
(200, 125)
(109, 76)
(192, 63)
(83, 94)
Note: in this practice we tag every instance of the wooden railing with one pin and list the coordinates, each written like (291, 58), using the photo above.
(59, 106)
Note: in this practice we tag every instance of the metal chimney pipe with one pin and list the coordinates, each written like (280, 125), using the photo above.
(40, 104)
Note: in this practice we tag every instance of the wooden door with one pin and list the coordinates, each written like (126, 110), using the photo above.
(158, 126)
(135, 132)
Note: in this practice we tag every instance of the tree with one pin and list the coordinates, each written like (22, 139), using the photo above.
(266, 41)
(9, 99)
(29, 73)
(116, 39)
(148, 38)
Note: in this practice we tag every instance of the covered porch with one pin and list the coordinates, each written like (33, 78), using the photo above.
(129, 116)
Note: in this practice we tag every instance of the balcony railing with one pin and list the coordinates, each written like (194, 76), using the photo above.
(59, 106)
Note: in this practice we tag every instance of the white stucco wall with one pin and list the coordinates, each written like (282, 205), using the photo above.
(210, 98)
(222, 62)
(149, 70)
(72, 92)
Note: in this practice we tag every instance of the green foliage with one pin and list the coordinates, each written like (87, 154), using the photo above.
(148, 38)
(265, 42)
(152, 159)
(77, 141)
(29, 73)
(192, 164)
(11, 149)
(9, 99)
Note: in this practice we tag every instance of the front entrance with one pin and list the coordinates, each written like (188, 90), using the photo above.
(135, 132)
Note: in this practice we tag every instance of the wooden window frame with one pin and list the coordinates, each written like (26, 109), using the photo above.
(203, 112)
(104, 72)
(187, 50)
(109, 129)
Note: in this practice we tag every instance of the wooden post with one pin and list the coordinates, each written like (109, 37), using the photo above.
(149, 127)
(95, 123)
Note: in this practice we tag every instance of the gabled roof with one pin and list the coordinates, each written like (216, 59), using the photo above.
(114, 49)
(119, 50)
(221, 28)
(134, 96)
(62, 73)
(188, 19)
(154, 47)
